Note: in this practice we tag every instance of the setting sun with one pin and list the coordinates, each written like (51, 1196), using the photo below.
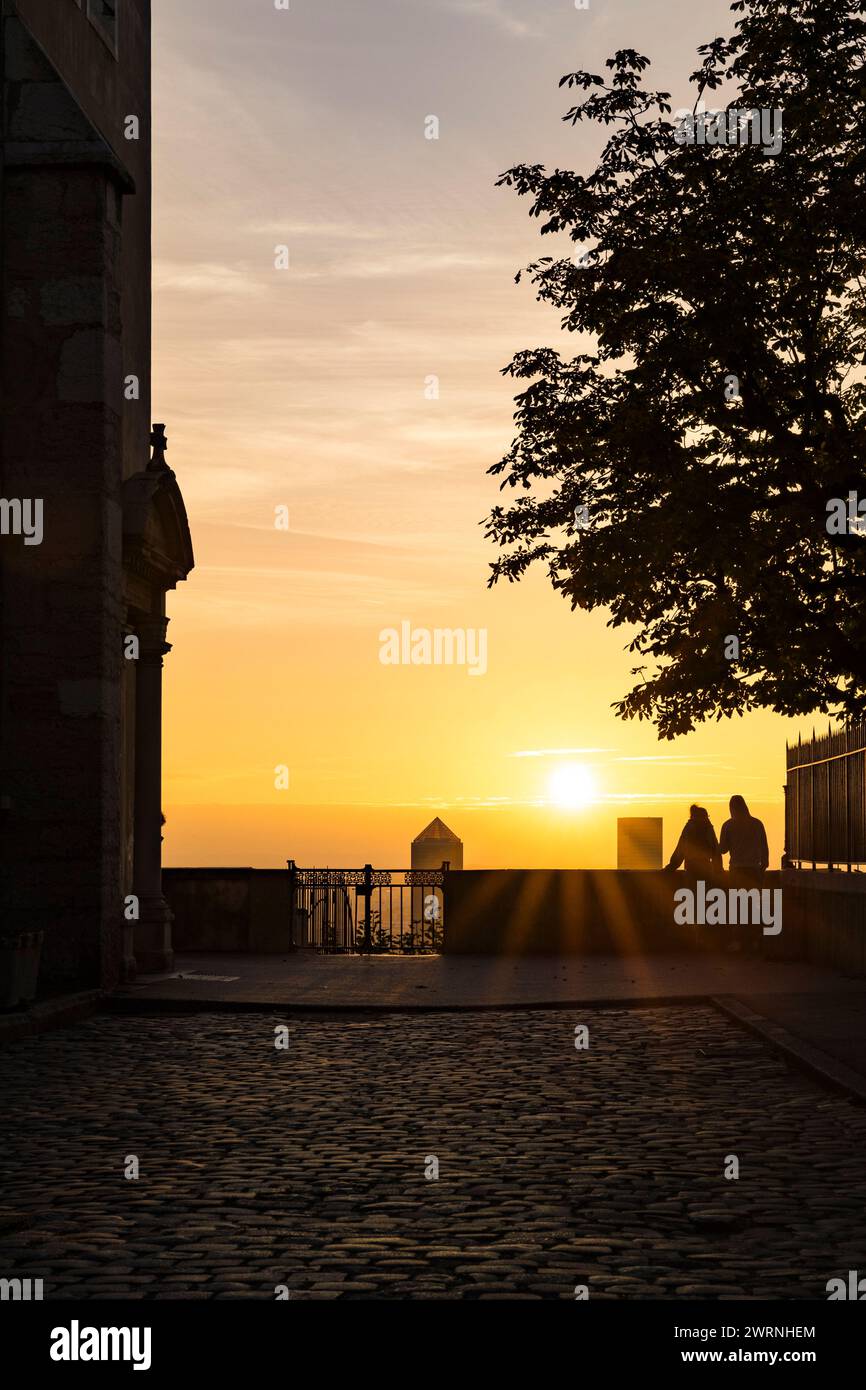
(572, 786)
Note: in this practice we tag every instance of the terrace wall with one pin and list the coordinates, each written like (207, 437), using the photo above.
(540, 912)
(229, 909)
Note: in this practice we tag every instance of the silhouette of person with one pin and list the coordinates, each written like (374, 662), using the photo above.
(744, 838)
(697, 848)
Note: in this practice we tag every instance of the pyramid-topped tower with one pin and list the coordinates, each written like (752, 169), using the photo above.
(437, 845)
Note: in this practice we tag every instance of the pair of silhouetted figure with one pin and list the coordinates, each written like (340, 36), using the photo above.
(743, 837)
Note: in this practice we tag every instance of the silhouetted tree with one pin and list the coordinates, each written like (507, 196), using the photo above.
(708, 269)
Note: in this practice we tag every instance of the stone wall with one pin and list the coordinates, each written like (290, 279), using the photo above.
(108, 86)
(562, 912)
(595, 911)
(228, 909)
(513, 912)
(75, 294)
(825, 918)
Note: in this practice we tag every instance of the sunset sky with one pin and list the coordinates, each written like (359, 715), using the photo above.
(305, 388)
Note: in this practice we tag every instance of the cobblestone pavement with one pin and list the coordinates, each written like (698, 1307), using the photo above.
(306, 1167)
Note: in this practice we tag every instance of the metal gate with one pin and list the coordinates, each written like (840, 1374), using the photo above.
(379, 911)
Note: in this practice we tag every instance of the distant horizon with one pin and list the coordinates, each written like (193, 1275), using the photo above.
(265, 835)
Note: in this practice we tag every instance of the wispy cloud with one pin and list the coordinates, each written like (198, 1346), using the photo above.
(323, 231)
(710, 760)
(656, 798)
(682, 760)
(205, 277)
(211, 278)
(556, 752)
(411, 261)
(498, 14)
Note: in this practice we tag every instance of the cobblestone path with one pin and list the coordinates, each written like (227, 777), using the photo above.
(306, 1167)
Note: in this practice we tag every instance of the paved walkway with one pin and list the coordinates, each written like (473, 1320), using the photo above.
(833, 1021)
(309, 1167)
(471, 982)
(816, 1013)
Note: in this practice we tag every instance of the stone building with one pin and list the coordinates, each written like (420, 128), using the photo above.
(434, 846)
(94, 526)
(639, 842)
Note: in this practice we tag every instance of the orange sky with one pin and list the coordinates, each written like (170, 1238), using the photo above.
(305, 388)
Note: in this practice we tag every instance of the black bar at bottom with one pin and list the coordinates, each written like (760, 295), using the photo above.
(240, 1339)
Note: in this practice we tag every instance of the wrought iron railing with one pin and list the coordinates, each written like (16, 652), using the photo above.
(378, 911)
(825, 800)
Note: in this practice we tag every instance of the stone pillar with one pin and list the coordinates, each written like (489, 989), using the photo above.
(127, 804)
(153, 951)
